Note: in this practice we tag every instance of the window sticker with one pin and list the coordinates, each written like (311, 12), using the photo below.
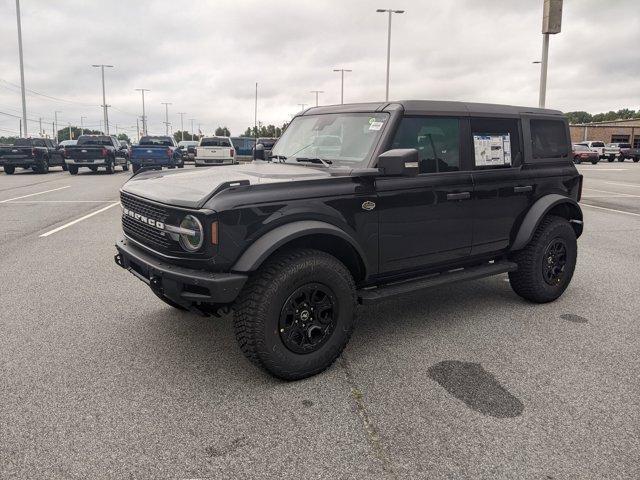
(375, 125)
(492, 150)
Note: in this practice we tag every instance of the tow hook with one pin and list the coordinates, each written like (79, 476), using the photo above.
(118, 259)
(156, 284)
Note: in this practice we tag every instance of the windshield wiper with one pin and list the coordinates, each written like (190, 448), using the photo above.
(326, 163)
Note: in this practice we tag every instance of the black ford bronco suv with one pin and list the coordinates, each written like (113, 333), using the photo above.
(356, 204)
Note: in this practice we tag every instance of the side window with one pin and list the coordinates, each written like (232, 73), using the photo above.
(38, 143)
(436, 139)
(116, 143)
(549, 139)
(496, 142)
(48, 143)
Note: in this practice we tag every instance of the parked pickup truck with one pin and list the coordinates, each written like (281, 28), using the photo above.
(156, 152)
(625, 150)
(215, 151)
(188, 149)
(96, 151)
(36, 153)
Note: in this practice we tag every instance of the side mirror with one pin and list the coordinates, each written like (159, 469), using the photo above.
(258, 153)
(399, 162)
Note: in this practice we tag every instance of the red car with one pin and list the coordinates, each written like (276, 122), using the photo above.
(582, 153)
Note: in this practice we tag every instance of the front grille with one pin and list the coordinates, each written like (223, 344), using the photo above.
(142, 232)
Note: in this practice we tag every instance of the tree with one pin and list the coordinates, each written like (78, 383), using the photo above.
(223, 132)
(265, 131)
(63, 133)
(187, 136)
(8, 140)
(584, 117)
(125, 137)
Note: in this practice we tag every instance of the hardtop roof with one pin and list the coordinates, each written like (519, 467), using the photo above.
(431, 107)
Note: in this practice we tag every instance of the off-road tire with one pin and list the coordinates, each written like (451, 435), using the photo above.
(73, 169)
(9, 169)
(528, 280)
(636, 159)
(621, 158)
(42, 166)
(594, 162)
(258, 309)
(610, 159)
(110, 167)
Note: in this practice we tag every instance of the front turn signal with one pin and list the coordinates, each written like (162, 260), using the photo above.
(214, 233)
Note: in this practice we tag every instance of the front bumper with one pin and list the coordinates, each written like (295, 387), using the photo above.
(185, 286)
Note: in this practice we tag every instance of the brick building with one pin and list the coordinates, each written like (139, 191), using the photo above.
(608, 132)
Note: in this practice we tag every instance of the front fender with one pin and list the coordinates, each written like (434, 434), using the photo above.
(264, 246)
(538, 211)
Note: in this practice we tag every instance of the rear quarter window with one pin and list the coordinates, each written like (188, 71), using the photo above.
(549, 139)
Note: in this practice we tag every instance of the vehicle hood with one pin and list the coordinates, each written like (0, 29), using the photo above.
(192, 188)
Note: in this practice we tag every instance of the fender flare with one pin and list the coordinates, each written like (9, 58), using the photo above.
(537, 212)
(268, 243)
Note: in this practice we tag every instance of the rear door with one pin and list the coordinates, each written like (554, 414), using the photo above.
(501, 193)
(426, 220)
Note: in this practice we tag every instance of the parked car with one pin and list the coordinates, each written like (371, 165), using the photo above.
(627, 151)
(156, 152)
(582, 153)
(36, 153)
(188, 149)
(126, 148)
(96, 151)
(66, 143)
(215, 151)
(420, 194)
(596, 147)
(267, 143)
(244, 148)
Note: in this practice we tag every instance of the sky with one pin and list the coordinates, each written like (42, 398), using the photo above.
(205, 57)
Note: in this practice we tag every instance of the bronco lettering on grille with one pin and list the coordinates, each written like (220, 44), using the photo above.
(141, 218)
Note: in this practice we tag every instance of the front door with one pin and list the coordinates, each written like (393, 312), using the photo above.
(426, 220)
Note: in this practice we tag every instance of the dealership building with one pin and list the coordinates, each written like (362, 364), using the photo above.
(613, 131)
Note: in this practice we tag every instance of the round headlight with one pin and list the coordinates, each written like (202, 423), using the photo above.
(191, 242)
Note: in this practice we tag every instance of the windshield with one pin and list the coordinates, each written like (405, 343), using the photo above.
(339, 139)
(215, 142)
(156, 141)
(94, 141)
(22, 142)
(580, 148)
(597, 144)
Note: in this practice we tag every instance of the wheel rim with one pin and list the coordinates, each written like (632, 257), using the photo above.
(308, 318)
(554, 261)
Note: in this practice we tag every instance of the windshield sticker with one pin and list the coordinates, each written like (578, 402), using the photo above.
(375, 125)
(492, 149)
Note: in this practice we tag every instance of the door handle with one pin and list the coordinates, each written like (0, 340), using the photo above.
(522, 189)
(458, 196)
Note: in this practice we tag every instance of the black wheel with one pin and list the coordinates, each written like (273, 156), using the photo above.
(42, 166)
(594, 162)
(610, 159)
(181, 164)
(110, 168)
(64, 167)
(577, 160)
(125, 166)
(171, 303)
(9, 169)
(135, 167)
(621, 158)
(296, 313)
(636, 159)
(546, 264)
(93, 169)
(73, 169)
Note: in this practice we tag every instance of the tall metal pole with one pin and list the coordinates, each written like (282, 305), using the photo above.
(82, 125)
(316, 92)
(543, 70)
(302, 105)
(182, 114)
(144, 116)
(138, 129)
(390, 12)
(70, 136)
(192, 132)
(342, 70)
(104, 97)
(55, 124)
(166, 116)
(24, 101)
(255, 114)
(40, 126)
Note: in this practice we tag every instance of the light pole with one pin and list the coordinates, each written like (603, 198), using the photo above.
(316, 92)
(390, 12)
(192, 132)
(55, 124)
(302, 105)
(24, 101)
(166, 116)
(551, 24)
(342, 70)
(144, 116)
(82, 125)
(182, 114)
(104, 100)
(255, 115)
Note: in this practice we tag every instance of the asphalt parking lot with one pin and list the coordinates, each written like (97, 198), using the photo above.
(99, 379)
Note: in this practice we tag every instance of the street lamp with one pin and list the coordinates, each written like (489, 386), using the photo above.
(144, 116)
(341, 70)
(316, 92)
(182, 114)
(82, 125)
(24, 102)
(302, 105)
(104, 100)
(390, 12)
(166, 116)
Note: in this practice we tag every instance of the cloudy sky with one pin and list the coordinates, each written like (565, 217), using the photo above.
(205, 57)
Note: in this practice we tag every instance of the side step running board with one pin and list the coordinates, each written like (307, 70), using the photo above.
(376, 294)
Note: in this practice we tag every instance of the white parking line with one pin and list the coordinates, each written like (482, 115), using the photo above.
(77, 220)
(610, 209)
(33, 194)
(620, 194)
(607, 169)
(623, 184)
(29, 202)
